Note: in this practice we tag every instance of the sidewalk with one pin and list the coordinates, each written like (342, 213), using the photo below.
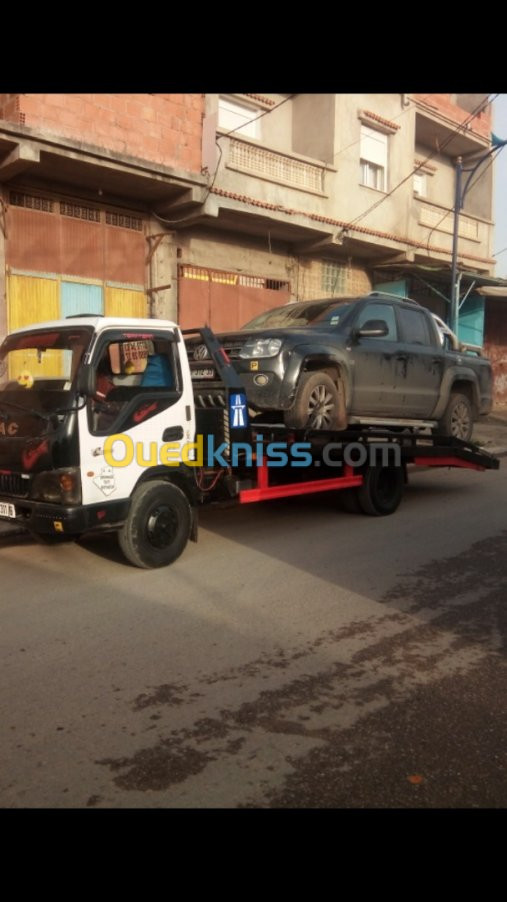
(490, 433)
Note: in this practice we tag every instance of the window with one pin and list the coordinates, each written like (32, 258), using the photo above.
(233, 115)
(334, 277)
(420, 184)
(383, 312)
(135, 379)
(373, 160)
(414, 326)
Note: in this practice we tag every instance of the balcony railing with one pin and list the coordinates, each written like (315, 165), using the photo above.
(274, 166)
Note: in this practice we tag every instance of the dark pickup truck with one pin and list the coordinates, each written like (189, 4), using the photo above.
(336, 362)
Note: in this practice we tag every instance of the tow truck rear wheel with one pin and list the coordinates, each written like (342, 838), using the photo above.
(158, 525)
(381, 491)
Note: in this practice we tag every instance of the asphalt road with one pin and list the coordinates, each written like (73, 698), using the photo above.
(297, 656)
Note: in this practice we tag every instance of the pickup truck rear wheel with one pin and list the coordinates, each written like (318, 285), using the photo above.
(158, 525)
(458, 419)
(317, 403)
(381, 491)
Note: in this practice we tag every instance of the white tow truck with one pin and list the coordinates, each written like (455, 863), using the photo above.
(102, 428)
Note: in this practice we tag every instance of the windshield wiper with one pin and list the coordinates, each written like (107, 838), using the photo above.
(34, 413)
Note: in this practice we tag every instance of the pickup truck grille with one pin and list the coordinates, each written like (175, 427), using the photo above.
(233, 348)
(13, 484)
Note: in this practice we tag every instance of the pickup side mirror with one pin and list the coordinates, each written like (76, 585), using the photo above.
(373, 328)
(85, 382)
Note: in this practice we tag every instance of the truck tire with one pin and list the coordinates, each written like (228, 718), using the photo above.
(348, 501)
(158, 525)
(458, 419)
(381, 491)
(317, 403)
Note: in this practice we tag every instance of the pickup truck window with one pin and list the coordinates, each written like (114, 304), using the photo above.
(379, 311)
(414, 327)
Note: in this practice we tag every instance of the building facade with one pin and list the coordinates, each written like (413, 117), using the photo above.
(211, 208)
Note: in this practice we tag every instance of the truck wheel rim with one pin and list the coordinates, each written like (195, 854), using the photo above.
(460, 421)
(320, 407)
(162, 525)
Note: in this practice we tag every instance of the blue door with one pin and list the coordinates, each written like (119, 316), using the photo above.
(79, 298)
(471, 320)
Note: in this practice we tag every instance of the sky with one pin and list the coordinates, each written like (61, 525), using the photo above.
(500, 201)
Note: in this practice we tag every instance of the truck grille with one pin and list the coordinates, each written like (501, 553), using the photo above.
(13, 484)
(233, 348)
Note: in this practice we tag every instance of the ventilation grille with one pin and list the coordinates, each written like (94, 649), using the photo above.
(125, 221)
(78, 211)
(13, 484)
(232, 278)
(334, 278)
(275, 166)
(31, 201)
(75, 210)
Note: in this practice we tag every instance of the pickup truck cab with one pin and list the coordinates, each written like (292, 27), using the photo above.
(372, 360)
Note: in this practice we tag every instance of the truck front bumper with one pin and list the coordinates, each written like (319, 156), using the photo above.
(55, 519)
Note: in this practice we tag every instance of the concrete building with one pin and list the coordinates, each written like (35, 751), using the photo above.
(212, 208)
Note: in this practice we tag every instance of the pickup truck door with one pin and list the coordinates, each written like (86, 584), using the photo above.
(375, 366)
(420, 362)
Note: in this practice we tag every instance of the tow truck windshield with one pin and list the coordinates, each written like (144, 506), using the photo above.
(38, 369)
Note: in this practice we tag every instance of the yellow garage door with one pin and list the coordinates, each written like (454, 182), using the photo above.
(125, 302)
(33, 300)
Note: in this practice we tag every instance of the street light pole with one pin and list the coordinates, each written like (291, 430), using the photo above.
(454, 270)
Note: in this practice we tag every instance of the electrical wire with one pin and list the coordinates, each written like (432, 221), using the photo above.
(392, 118)
(217, 167)
(255, 118)
(494, 155)
(420, 165)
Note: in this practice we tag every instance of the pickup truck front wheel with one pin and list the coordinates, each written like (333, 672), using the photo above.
(158, 525)
(458, 419)
(317, 403)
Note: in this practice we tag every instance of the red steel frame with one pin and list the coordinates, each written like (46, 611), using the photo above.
(264, 491)
(446, 462)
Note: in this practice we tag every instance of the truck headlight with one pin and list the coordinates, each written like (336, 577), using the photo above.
(58, 486)
(260, 347)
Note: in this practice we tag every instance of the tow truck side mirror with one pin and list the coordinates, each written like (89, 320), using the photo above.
(85, 382)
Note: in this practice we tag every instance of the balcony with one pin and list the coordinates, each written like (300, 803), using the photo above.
(284, 169)
(449, 129)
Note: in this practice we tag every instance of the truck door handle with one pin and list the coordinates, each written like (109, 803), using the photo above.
(172, 434)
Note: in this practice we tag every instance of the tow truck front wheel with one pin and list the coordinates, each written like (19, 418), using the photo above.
(158, 526)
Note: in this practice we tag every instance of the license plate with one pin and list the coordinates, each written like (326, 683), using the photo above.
(7, 510)
(206, 372)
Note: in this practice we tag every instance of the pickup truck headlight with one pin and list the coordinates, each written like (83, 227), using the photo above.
(57, 486)
(261, 347)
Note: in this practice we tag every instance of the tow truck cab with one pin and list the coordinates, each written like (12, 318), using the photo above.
(66, 386)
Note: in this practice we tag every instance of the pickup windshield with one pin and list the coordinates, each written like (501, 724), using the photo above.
(301, 314)
(38, 369)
